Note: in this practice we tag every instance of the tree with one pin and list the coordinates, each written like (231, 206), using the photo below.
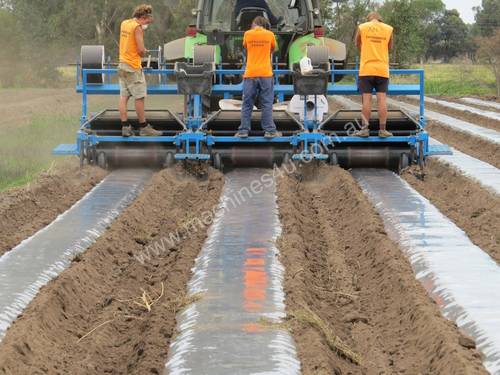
(403, 15)
(487, 18)
(489, 52)
(343, 21)
(450, 38)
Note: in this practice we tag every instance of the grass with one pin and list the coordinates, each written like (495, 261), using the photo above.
(450, 79)
(459, 80)
(26, 151)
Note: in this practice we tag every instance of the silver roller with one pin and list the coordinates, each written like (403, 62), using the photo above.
(203, 54)
(319, 56)
(93, 57)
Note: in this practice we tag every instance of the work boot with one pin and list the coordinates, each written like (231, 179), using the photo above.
(272, 134)
(384, 134)
(148, 131)
(241, 134)
(127, 131)
(363, 132)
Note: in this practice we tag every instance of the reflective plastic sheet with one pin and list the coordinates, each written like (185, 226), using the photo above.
(465, 108)
(485, 103)
(489, 135)
(462, 279)
(483, 173)
(40, 258)
(238, 277)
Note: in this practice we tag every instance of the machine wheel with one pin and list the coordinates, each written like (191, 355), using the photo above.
(169, 160)
(102, 160)
(319, 56)
(333, 159)
(91, 155)
(286, 158)
(93, 57)
(404, 162)
(218, 162)
(82, 154)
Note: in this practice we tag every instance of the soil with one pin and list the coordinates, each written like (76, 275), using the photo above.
(475, 119)
(19, 106)
(474, 209)
(470, 145)
(343, 271)
(26, 210)
(91, 319)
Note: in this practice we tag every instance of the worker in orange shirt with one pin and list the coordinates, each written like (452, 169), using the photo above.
(258, 78)
(374, 39)
(130, 74)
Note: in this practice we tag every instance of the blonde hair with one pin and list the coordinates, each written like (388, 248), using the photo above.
(143, 10)
(374, 16)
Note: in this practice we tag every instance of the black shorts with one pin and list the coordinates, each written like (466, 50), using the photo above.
(367, 84)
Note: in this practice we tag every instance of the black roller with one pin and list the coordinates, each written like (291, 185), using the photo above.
(93, 57)
(376, 157)
(252, 156)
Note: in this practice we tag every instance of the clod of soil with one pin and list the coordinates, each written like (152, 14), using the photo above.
(474, 209)
(113, 311)
(470, 145)
(343, 270)
(26, 210)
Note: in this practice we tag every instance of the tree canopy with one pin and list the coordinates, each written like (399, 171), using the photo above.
(44, 34)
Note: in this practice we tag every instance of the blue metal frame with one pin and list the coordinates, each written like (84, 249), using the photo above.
(193, 140)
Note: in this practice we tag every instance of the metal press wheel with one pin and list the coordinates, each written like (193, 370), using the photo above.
(333, 159)
(286, 158)
(169, 160)
(404, 162)
(218, 162)
(102, 160)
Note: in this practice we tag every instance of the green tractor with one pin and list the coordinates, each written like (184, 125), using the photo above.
(216, 35)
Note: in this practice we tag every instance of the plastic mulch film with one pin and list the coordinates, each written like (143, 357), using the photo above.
(464, 108)
(485, 174)
(462, 279)
(40, 258)
(233, 327)
(489, 135)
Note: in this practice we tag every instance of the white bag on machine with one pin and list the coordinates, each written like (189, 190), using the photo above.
(296, 105)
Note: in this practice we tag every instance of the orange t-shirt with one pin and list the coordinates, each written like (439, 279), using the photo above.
(375, 38)
(259, 43)
(128, 45)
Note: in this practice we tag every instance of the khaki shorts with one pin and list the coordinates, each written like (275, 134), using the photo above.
(132, 83)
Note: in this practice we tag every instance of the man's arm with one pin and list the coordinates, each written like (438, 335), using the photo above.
(391, 42)
(357, 39)
(139, 40)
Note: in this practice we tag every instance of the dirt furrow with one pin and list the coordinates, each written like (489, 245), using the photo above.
(473, 146)
(354, 303)
(111, 313)
(474, 209)
(26, 210)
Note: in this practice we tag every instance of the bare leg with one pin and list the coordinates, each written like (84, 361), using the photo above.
(367, 109)
(382, 109)
(123, 108)
(139, 108)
